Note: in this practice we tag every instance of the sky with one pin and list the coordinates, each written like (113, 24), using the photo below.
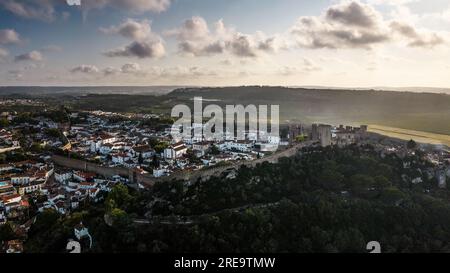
(348, 43)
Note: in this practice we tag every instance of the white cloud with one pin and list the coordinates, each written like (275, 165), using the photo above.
(131, 68)
(108, 71)
(52, 48)
(131, 29)
(353, 14)
(146, 44)
(192, 29)
(128, 68)
(353, 24)
(416, 39)
(15, 74)
(31, 9)
(195, 38)
(86, 69)
(3, 53)
(345, 25)
(9, 36)
(304, 67)
(129, 5)
(33, 56)
(184, 72)
(46, 10)
(144, 49)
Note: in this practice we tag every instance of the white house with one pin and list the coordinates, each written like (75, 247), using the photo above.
(20, 179)
(87, 185)
(159, 172)
(62, 176)
(32, 187)
(201, 147)
(120, 158)
(93, 193)
(106, 148)
(175, 151)
(240, 145)
(6, 167)
(144, 150)
(273, 140)
(10, 199)
(83, 176)
(81, 231)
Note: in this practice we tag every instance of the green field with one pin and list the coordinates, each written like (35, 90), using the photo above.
(418, 136)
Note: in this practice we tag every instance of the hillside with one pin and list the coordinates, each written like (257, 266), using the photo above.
(428, 112)
(321, 200)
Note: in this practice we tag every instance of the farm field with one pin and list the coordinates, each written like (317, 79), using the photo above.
(418, 136)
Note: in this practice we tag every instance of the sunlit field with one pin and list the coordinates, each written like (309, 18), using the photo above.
(418, 136)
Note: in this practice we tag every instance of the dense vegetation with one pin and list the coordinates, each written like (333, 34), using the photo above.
(322, 200)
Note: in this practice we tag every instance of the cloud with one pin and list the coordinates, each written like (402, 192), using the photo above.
(128, 68)
(304, 67)
(108, 71)
(139, 49)
(226, 62)
(345, 25)
(131, 68)
(131, 29)
(183, 72)
(192, 29)
(33, 56)
(175, 72)
(3, 53)
(31, 9)
(353, 24)
(354, 14)
(137, 6)
(20, 73)
(86, 69)
(16, 74)
(242, 46)
(195, 38)
(146, 44)
(9, 36)
(45, 10)
(52, 48)
(425, 39)
(310, 66)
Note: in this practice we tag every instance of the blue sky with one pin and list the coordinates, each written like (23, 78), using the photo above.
(353, 43)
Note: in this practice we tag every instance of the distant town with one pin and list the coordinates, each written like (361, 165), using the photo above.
(59, 164)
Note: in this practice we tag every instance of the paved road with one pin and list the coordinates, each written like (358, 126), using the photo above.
(271, 159)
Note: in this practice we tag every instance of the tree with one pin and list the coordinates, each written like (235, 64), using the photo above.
(4, 123)
(155, 162)
(360, 183)
(214, 150)
(6, 233)
(411, 145)
(192, 156)
(119, 197)
(159, 148)
(392, 195)
(140, 158)
(119, 217)
(300, 138)
(381, 182)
